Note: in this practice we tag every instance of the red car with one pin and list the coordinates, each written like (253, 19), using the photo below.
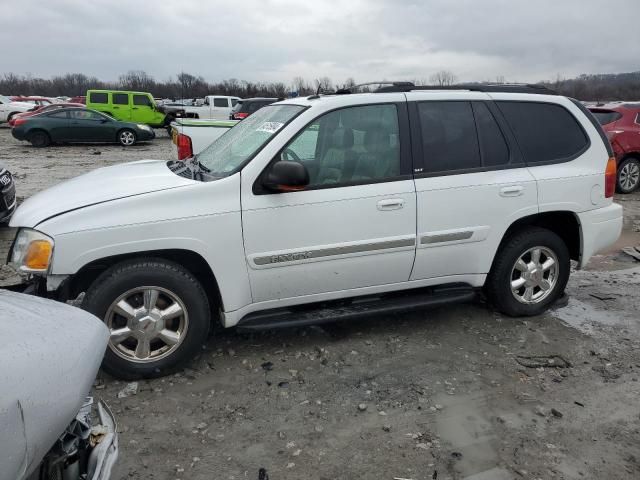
(79, 99)
(42, 109)
(621, 123)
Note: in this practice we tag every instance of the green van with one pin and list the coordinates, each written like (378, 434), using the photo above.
(137, 107)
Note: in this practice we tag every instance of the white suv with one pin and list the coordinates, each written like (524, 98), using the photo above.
(330, 207)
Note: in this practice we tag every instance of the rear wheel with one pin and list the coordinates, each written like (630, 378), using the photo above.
(628, 175)
(40, 139)
(127, 137)
(158, 315)
(530, 272)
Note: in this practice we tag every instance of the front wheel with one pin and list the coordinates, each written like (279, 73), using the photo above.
(158, 315)
(127, 137)
(529, 273)
(628, 175)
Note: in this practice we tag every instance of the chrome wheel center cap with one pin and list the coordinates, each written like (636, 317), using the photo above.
(148, 323)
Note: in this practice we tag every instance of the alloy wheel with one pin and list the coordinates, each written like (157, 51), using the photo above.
(629, 176)
(127, 138)
(534, 275)
(146, 324)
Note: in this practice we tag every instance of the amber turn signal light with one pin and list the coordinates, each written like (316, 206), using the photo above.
(38, 255)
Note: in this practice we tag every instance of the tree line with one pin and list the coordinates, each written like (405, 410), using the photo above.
(603, 87)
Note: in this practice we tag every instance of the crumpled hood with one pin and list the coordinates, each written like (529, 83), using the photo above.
(98, 186)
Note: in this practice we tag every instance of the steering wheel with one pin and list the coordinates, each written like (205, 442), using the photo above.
(290, 153)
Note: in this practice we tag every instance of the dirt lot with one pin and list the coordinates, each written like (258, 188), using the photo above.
(453, 393)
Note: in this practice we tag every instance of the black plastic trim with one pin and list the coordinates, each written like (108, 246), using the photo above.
(360, 307)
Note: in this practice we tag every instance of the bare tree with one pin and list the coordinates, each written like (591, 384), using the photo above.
(443, 78)
(324, 84)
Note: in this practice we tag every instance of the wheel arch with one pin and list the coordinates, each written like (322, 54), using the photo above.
(565, 224)
(190, 260)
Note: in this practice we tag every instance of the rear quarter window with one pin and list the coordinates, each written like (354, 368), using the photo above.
(96, 97)
(545, 132)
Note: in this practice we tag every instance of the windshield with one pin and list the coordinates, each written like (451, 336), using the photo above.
(237, 146)
(4, 99)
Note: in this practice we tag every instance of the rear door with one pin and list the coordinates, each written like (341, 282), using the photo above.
(121, 106)
(471, 184)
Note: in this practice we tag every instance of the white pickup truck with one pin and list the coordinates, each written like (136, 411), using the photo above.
(215, 107)
(191, 136)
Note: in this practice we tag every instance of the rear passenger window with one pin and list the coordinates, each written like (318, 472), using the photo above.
(545, 132)
(220, 102)
(95, 97)
(141, 100)
(121, 99)
(449, 138)
(493, 146)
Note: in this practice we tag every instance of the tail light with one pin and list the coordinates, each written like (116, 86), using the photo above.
(240, 115)
(18, 121)
(185, 149)
(610, 178)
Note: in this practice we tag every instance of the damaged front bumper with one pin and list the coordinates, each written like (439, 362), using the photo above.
(85, 451)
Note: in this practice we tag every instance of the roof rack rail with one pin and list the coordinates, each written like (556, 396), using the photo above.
(345, 90)
(473, 87)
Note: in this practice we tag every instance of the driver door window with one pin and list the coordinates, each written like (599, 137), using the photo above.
(349, 146)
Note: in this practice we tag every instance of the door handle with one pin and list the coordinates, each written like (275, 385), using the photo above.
(512, 191)
(391, 204)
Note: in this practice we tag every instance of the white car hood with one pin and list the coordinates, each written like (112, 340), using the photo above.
(99, 186)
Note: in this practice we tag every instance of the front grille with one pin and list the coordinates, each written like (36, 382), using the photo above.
(7, 197)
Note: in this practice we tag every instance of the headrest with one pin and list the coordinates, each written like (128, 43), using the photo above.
(376, 139)
(342, 138)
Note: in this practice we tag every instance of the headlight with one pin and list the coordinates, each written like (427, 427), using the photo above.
(31, 251)
(143, 127)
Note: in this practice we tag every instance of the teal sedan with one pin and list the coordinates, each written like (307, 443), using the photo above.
(79, 125)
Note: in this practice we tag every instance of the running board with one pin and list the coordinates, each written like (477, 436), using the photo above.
(357, 307)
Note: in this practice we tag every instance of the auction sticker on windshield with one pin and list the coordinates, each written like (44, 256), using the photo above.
(270, 127)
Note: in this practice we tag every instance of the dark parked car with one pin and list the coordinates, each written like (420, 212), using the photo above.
(621, 123)
(246, 107)
(7, 194)
(79, 125)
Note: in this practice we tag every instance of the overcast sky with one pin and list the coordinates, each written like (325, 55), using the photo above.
(276, 40)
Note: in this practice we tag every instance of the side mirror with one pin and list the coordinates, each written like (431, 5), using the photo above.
(286, 176)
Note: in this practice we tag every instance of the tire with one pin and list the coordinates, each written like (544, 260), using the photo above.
(127, 137)
(130, 284)
(628, 177)
(505, 273)
(40, 139)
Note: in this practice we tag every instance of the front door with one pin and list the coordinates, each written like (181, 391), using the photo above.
(121, 106)
(57, 125)
(353, 226)
(142, 110)
(89, 126)
(471, 184)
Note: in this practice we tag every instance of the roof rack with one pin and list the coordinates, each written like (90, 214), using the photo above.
(473, 87)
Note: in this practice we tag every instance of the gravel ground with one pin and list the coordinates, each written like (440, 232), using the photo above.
(452, 393)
